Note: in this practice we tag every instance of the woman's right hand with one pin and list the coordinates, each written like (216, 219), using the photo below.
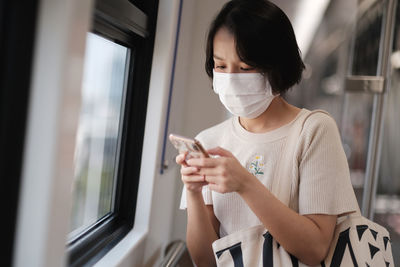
(193, 181)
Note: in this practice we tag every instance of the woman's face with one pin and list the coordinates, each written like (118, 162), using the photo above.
(226, 58)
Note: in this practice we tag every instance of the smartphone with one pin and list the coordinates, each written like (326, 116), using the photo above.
(190, 145)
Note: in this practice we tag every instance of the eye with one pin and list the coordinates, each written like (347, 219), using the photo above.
(247, 69)
(220, 67)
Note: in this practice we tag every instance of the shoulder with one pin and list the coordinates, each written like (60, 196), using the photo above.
(320, 131)
(319, 123)
(211, 136)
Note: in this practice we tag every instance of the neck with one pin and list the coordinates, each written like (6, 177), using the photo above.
(276, 115)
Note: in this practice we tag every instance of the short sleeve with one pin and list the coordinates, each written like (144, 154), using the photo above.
(207, 196)
(324, 177)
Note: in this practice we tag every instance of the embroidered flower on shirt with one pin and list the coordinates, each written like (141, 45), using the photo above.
(256, 165)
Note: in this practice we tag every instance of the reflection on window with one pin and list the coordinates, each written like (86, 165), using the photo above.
(387, 202)
(356, 125)
(97, 141)
(367, 43)
(358, 107)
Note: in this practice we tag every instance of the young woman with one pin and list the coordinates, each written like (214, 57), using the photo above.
(253, 59)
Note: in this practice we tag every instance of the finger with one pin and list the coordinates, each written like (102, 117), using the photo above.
(181, 158)
(202, 162)
(211, 179)
(209, 171)
(189, 170)
(219, 151)
(193, 179)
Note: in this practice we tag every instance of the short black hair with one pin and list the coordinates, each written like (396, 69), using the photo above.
(264, 39)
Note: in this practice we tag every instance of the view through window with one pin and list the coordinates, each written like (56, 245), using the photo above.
(99, 131)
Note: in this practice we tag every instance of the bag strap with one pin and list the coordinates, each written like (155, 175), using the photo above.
(283, 181)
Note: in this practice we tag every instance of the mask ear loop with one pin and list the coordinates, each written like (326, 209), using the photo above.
(268, 84)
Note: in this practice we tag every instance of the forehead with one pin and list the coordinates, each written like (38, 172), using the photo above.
(224, 45)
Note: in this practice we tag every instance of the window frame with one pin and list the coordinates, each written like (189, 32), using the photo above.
(95, 242)
(16, 62)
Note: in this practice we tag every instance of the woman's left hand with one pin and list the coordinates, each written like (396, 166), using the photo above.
(224, 174)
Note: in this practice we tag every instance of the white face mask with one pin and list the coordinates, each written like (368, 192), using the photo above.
(246, 95)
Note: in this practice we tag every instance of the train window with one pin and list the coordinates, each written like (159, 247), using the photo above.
(367, 46)
(387, 199)
(358, 106)
(99, 133)
(111, 128)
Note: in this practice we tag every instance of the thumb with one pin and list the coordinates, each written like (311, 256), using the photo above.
(220, 152)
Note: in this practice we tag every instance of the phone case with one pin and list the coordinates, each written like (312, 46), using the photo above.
(183, 144)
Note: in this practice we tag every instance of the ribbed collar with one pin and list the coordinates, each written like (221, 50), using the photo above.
(266, 137)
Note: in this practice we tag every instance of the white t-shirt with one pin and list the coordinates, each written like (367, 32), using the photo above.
(324, 180)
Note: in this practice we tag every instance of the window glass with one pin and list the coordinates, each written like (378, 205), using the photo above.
(356, 126)
(358, 107)
(367, 43)
(387, 199)
(99, 130)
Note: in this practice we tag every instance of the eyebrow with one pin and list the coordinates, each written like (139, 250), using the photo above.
(218, 57)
